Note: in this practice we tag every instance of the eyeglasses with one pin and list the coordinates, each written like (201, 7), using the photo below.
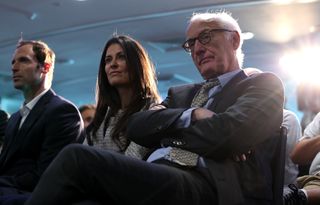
(204, 38)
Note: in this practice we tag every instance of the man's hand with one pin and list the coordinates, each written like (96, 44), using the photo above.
(201, 113)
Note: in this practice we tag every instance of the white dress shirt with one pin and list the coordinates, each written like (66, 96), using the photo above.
(26, 108)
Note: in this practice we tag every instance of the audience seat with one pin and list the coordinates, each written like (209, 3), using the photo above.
(278, 167)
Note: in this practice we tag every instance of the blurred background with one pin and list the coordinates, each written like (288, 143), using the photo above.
(281, 36)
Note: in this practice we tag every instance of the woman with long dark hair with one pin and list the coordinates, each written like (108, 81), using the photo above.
(126, 84)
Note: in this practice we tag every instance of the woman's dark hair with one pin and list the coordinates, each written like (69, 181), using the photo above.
(141, 74)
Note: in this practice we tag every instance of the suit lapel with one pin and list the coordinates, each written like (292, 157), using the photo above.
(22, 134)
(35, 113)
(181, 96)
(225, 92)
(194, 92)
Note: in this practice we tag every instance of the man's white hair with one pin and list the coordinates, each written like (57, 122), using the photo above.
(226, 21)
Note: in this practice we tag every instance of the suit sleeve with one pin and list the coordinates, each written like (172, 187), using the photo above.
(148, 128)
(64, 126)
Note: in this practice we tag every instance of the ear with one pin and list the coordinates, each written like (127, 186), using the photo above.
(235, 40)
(46, 67)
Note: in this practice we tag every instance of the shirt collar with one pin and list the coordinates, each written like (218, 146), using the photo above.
(34, 101)
(225, 78)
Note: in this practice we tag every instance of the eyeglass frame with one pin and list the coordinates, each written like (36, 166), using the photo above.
(188, 48)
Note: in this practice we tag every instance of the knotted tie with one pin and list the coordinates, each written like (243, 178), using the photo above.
(202, 96)
(184, 157)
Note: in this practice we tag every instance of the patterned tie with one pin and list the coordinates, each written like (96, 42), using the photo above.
(202, 96)
(184, 157)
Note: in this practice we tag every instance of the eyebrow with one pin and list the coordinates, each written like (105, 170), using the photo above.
(20, 59)
(203, 31)
(120, 52)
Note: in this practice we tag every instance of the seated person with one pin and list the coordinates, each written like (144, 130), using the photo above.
(306, 152)
(291, 122)
(42, 127)
(87, 113)
(126, 84)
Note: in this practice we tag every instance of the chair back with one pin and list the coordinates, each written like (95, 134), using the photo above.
(278, 167)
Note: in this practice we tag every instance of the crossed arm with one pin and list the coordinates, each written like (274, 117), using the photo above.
(253, 116)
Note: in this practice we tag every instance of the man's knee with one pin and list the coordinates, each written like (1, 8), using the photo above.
(72, 148)
(70, 154)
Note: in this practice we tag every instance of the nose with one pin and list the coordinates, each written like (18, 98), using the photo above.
(14, 66)
(114, 63)
(198, 48)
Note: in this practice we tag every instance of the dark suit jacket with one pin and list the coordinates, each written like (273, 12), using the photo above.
(248, 117)
(51, 124)
(3, 124)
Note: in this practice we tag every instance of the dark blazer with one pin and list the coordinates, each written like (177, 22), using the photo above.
(3, 123)
(248, 115)
(52, 124)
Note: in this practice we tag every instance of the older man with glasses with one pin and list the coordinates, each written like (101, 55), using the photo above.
(196, 137)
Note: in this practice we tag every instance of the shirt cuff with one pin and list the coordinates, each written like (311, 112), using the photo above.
(185, 119)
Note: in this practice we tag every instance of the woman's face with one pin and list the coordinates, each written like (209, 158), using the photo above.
(116, 66)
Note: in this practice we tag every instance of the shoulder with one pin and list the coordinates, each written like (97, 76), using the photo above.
(316, 118)
(184, 91)
(289, 116)
(313, 128)
(265, 77)
(184, 88)
(180, 96)
(292, 123)
(315, 122)
(265, 82)
(59, 103)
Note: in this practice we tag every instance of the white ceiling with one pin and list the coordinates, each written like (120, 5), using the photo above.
(78, 30)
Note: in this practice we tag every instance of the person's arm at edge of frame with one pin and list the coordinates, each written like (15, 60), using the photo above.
(305, 150)
(309, 145)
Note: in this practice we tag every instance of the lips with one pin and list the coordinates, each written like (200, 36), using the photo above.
(16, 77)
(114, 73)
(205, 60)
